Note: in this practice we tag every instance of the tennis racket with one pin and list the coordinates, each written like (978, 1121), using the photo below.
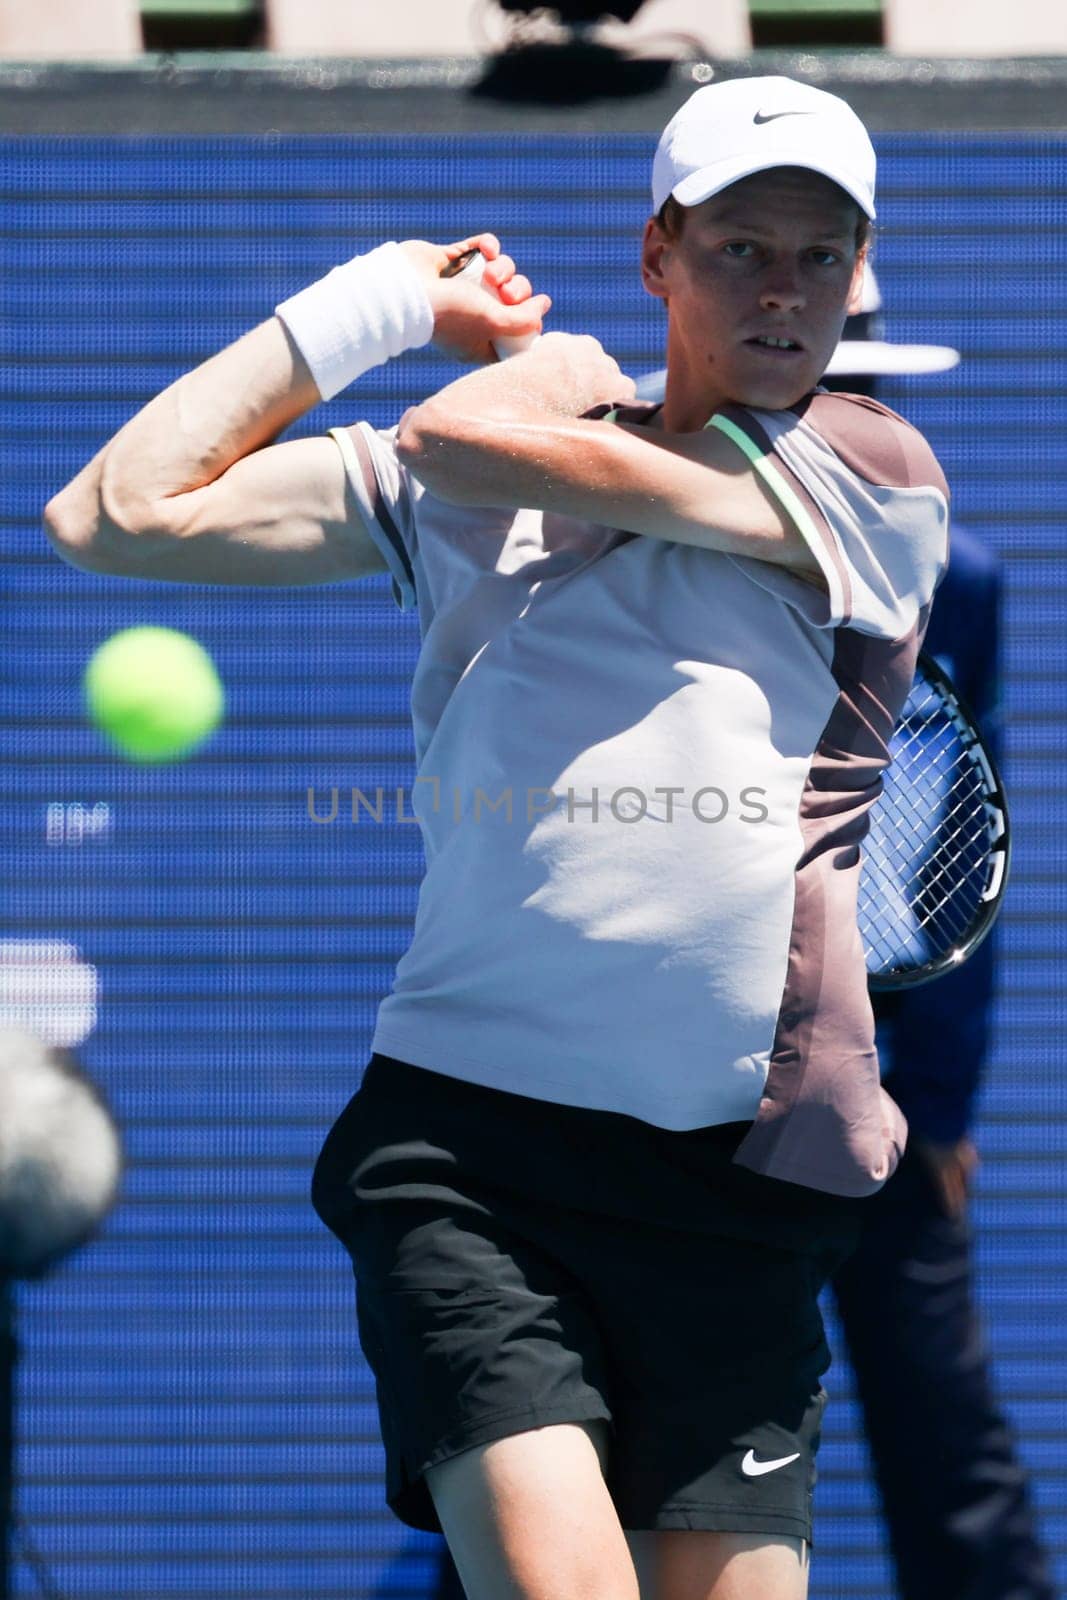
(935, 862)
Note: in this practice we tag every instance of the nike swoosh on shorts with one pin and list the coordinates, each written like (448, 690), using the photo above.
(755, 1469)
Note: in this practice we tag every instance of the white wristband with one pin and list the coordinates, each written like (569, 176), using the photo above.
(357, 316)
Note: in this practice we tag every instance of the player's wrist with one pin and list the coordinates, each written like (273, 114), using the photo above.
(359, 315)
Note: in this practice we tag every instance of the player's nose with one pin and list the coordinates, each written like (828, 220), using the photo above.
(782, 289)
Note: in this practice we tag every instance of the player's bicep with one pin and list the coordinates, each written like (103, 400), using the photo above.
(282, 515)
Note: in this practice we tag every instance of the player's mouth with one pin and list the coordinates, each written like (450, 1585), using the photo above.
(775, 345)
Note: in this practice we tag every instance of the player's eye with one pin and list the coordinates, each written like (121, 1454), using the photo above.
(825, 258)
(738, 249)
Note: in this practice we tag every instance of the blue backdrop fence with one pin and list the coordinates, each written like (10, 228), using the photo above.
(196, 1417)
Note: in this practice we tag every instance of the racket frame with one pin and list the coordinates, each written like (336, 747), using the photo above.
(996, 808)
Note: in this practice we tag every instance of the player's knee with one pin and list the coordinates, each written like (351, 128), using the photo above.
(678, 1564)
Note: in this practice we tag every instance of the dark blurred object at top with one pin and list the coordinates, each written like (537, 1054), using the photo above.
(574, 14)
(554, 57)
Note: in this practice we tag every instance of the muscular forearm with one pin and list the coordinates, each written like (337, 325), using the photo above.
(163, 477)
(494, 439)
(515, 458)
(513, 434)
(171, 473)
(186, 437)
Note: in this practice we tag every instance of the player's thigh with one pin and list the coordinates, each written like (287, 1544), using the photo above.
(529, 1517)
(676, 1564)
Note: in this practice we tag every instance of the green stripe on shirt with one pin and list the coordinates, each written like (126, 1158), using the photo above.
(778, 487)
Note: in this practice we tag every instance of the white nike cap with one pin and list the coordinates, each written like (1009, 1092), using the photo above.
(727, 131)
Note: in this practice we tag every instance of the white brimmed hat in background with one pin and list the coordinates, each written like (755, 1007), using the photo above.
(863, 352)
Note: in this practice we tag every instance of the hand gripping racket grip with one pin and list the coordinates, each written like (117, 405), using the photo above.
(472, 265)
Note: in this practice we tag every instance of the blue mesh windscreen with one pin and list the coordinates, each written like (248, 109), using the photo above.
(195, 1415)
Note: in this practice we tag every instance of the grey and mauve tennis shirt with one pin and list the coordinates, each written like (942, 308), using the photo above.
(644, 772)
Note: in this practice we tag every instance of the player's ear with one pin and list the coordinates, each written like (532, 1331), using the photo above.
(855, 292)
(653, 245)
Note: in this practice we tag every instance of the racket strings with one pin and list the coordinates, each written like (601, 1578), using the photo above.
(964, 829)
(926, 858)
(939, 879)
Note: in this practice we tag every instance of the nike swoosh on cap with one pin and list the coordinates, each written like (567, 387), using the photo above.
(755, 1469)
(773, 116)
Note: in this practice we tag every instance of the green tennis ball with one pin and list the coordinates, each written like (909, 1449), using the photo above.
(154, 692)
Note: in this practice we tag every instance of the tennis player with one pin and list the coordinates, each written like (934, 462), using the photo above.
(623, 1106)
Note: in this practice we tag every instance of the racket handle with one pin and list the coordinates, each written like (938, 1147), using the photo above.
(474, 268)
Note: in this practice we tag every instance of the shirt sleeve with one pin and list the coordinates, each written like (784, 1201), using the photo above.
(383, 495)
(868, 497)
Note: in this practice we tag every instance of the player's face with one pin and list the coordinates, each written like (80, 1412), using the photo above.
(757, 289)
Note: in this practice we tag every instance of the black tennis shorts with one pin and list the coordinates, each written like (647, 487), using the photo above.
(520, 1263)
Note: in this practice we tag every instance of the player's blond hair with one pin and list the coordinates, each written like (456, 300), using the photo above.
(672, 214)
